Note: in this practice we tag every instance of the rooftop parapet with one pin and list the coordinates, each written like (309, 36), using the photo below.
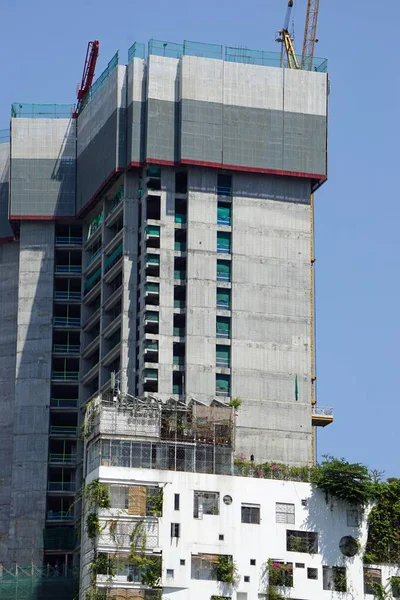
(41, 111)
(218, 52)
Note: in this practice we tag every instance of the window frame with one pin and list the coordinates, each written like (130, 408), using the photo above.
(307, 541)
(215, 508)
(286, 513)
(251, 507)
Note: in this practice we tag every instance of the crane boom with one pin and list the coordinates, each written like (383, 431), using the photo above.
(92, 54)
(287, 42)
(310, 35)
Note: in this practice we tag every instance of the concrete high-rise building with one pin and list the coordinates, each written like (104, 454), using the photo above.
(164, 235)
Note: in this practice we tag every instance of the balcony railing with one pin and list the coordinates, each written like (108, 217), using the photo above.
(65, 375)
(67, 348)
(61, 486)
(223, 249)
(67, 322)
(223, 277)
(223, 305)
(224, 191)
(67, 295)
(64, 402)
(60, 515)
(68, 241)
(64, 429)
(94, 256)
(55, 457)
(223, 334)
(221, 392)
(68, 268)
(223, 363)
(223, 220)
(91, 282)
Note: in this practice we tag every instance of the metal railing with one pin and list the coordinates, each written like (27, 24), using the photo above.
(223, 305)
(64, 402)
(60, 515)
(67, 322)
(60, 295)
(92, 281)
(223, 220)
(67, 348)
(94, 256)
(55, 457)
(223, 334)
(61, 486)
(223, 362)
(65, 375)
(323, 411)
(64, 429)
(68, 268)
(223, 249)
(68, 241)
(224, 191)
(42, 111)
(224, 277)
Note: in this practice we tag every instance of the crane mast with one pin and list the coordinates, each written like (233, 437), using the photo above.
(310, 35)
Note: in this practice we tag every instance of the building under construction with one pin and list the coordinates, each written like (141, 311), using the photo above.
(161, 230)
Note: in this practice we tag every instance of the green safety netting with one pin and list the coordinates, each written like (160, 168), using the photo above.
(222, 382)
(222, 352)
(223, 266)
(223, 323)
(224, 213)
(152, 316)
(153, 259)
(153, 230)
(224, 296)
(110, 259)
(89, 283)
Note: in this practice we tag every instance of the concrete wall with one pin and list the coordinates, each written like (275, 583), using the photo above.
(101, 137)
(136, 117)
(5, 229)
(9, 265)
(32, 392)
(42, 180)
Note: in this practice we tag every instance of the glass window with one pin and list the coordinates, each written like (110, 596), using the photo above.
(334, 579)
(353, 518)
(251, 513)
(205, 503)
(302, 541)
(284, 513)
(372, 581)
(119, 496)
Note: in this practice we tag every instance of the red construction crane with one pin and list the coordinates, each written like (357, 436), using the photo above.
(92, 53)
(310, 35)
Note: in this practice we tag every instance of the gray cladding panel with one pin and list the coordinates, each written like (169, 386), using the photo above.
(136, 121)
(97, 161)
(162, 130)
(42, 187)
(201, 131)
(5, 227)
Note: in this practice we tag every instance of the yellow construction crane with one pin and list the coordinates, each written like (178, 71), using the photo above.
(309, 41)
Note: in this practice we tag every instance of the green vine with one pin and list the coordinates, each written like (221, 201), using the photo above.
(155, 502)
(225, 570)
(93, 528)
(101, 564)
(96, 594)
(97, 495)
(113, 530)
(220, 598)
(351, 482)
(148, 566)
(383, 543)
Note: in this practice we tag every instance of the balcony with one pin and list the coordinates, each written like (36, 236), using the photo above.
(152, 232)
(65, 296)
(61, 486)
(322, 416)
(68, 241)
(92, 260)
(66, 348)
(65, 376)
(91, 282)
(64, 402)
(60, 515)
(64, 430)
(62, 458)
(68, 269)
(223, 363)
(66, 322)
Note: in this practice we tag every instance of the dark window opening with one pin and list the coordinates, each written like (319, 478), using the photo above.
(154, 207)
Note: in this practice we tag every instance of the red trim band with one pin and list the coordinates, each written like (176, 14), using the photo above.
(7, 239)
(99, 190)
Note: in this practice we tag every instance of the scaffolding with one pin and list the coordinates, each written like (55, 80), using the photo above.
(38, 583)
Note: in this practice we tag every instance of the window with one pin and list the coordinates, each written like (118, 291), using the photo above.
(119, 496)
(182, 562)
(246, 579)
(334, 579)
(223, 358)
(394, 584)
(372, 580)
(224, 185)
(203, 566)
(181, 182)
(175, 530)
(224, 239)
(223, 328)
(170, 573)
(176, 501)
(222, 385)
(312, 573)
(223, 299)
(223, 270)
(302, 541)
(253, 562)
(205, 503)
(353, 518)
(221, 537)
(299, 565)
(224, 213)
(284, 513)
(251, 513)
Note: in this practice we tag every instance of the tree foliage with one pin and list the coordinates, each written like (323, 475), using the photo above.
(346, 481)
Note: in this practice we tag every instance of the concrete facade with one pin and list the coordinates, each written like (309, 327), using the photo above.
(117, 216)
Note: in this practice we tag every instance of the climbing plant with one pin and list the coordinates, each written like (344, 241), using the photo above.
(155, 502)
(148, 566)
(97, 495)
(383, 543)
(225, 570)
(93, 528)
(101, 564)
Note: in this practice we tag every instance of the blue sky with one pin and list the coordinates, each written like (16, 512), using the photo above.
(43, 45)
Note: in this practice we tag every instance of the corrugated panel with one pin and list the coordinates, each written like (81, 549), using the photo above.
(137, 500)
